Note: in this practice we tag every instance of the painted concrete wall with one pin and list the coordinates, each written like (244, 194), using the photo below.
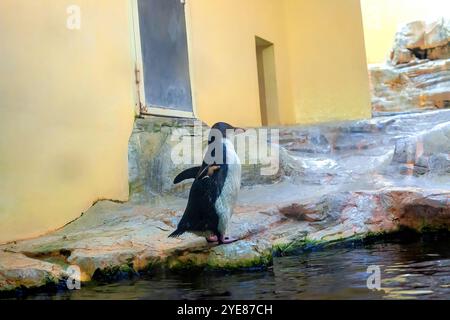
(382, 18)
(66, 111)
(328, 61)
(223, 57)
(320, 59)
(67, 97)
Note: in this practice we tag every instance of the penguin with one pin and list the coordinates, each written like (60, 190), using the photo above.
(215, 188)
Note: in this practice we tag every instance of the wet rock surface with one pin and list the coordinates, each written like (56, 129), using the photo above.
(336, 181)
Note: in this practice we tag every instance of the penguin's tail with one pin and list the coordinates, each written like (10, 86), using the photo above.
(176, 233)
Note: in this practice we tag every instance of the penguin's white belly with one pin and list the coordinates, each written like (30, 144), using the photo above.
(228, 197)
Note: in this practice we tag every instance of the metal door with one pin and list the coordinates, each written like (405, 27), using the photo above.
(164, 56)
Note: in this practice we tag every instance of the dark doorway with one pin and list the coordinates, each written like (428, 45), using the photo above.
(267, 81)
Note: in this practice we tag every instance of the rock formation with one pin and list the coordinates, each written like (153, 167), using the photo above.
(417, 76)
(336, 182)
(420, 40)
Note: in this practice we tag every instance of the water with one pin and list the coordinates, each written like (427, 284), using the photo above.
(417, 270)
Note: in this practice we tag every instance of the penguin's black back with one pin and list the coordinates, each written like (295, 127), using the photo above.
(200, 214)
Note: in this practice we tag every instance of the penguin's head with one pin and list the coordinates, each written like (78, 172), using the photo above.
(223, 128)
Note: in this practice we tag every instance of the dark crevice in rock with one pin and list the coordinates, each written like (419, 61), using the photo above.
(116, 273)
(419, 53)
(58, 257)
(425, 54)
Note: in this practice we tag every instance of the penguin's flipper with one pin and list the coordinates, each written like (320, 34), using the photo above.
(190, 173)
(176, 233)
(200, 211)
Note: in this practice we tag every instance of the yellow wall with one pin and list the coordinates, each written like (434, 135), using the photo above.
(66, 111)
(382, 18)
(328, 61)
(320, 59)
(67, 97)
(223, 57)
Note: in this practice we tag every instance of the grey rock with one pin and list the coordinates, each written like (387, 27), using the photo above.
(417, 77)
(421, 40)
(415, 87)
(358, 181)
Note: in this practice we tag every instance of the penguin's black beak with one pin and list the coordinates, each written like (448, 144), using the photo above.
(239, 130)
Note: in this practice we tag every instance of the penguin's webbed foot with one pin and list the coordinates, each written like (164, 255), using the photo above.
(212, 238)
(221, 239)
(226, 240)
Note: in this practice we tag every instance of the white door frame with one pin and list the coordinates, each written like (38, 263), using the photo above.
(139, 74)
